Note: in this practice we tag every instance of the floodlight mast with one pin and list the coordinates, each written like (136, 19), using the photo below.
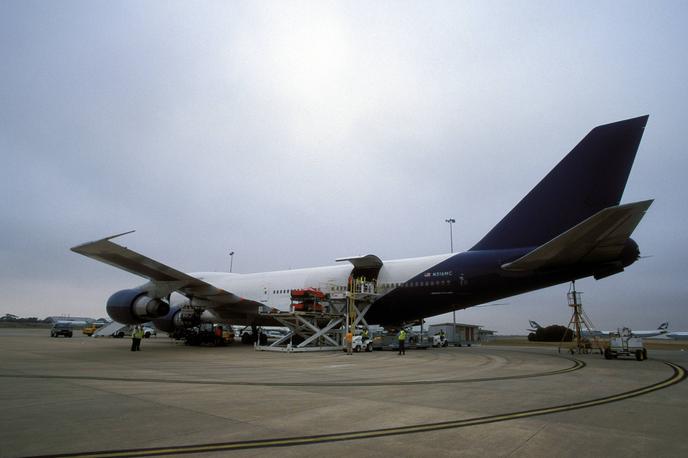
(451, 247)
(451, 233)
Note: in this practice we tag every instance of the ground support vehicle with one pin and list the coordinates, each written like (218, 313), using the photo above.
(439, 340)
(123, 331)
(623, 343)
(89, 330)
(390, 341)
(127, 330)
(61, 329)
(92, 328)
(207, 334)
(360, 343)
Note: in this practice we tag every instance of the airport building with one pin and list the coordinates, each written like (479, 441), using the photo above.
(457, 333)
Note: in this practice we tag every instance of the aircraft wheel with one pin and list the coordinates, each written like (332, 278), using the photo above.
(639, 355)
(607, 354)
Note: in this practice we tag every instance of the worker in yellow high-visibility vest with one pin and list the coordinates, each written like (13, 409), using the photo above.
(402, 342)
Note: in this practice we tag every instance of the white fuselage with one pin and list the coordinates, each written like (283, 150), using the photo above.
(273, 289)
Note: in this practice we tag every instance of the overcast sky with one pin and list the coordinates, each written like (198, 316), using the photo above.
(295, 133)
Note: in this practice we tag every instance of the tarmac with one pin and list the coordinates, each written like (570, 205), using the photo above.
(93, 397)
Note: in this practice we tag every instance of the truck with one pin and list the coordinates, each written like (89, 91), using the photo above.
(622, 343)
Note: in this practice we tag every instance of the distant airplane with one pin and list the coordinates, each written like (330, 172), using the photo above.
(534, 325)
(570, 226)
(661, 330)
(682, 335)
(677, 335)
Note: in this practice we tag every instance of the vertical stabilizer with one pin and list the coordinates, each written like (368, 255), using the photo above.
(590, 178)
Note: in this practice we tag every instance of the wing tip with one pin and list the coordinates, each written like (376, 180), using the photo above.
(76, 248)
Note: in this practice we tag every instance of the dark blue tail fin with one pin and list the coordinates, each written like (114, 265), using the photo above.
(590, 178)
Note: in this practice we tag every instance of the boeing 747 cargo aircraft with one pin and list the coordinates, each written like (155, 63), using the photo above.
(572, 225)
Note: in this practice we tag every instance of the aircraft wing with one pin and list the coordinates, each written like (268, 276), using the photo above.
(601, 236)
(163, 278)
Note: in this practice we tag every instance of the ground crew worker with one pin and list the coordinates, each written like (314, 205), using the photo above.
(402, 342)
(349, 342)
(136, 337)
(441, 335)
(365, 334)
(218, 335)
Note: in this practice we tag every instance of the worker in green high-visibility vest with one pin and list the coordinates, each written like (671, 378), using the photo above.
(402, 342)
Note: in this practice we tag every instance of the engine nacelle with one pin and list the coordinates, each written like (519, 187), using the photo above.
(169, 322)
(181, 317)
(630, 253)
(133, 306)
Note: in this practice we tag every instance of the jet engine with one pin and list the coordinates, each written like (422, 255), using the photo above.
(133, 306)
(630, 253)
(169, 322)
(178, 318)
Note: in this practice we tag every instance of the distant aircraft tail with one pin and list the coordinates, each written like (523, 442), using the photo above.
(664, 325)
(590, 178)
(534, 324)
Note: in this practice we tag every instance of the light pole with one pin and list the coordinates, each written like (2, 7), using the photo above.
(451, 247)
(231, 261)
(451, 233)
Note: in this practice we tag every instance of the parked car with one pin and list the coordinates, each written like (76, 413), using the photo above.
(61, 329)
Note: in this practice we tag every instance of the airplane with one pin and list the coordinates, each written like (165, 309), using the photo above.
(677, 335)
(571, 225)
(534, 325)
(661, 330)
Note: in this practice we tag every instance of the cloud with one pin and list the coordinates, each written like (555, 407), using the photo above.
(294, 133)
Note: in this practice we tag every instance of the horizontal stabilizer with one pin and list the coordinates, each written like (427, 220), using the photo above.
(598, 238)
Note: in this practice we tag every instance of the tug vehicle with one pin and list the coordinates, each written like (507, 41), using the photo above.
(622, 343)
